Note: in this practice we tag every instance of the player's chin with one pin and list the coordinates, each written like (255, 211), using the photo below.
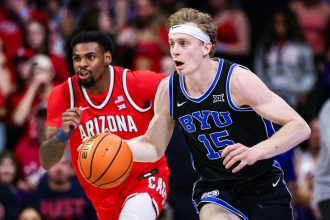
(87, 83)
(180, 71)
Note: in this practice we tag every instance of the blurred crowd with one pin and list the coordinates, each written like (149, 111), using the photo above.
(285, 42)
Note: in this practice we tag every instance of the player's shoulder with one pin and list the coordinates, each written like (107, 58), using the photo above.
(64, 87)
(144, 74)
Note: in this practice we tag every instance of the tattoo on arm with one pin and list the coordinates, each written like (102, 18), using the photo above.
(51, 151)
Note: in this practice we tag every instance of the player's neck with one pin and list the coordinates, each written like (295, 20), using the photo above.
(198, 82)
(101, 84)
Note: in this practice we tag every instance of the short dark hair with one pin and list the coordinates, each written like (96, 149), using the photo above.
(93, 36)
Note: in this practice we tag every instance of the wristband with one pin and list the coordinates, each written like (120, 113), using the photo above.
(62, 136)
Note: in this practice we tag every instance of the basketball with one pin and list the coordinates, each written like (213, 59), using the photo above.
(105, 160)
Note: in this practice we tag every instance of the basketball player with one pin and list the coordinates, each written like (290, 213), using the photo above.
(226, 114)
(104, 97)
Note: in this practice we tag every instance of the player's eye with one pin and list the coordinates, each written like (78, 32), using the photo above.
(76, 59)
(91, 57)
(183, 43)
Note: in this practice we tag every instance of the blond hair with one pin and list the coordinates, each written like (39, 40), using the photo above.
(202, 20)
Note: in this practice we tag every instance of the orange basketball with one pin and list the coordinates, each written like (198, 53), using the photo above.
(105, 160)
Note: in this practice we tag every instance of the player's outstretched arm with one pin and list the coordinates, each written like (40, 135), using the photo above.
(248, 90)
(55, 139)
(152, 145)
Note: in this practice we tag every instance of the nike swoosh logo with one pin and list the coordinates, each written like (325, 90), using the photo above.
(180, 104)
(275, 183)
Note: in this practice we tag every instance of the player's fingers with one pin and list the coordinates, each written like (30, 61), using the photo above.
(231, 155)
(85, 139)
(228, 149)
(106, 130)
(70, 118)
(79, 147)
(232, 161)
(240, 166)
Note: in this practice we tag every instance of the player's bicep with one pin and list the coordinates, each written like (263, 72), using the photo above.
(248, 90)
(161, 127)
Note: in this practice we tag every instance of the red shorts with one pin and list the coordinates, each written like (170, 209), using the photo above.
(153, 180)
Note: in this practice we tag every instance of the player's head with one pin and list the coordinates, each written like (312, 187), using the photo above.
(91, 54)
(197, 19)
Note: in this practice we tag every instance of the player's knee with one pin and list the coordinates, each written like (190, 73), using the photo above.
(139, 207)
(215, 212)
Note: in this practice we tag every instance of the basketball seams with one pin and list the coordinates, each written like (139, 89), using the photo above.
(108, 161)
(124, 173)
(91, 163)
(80, 165)
(113, 159)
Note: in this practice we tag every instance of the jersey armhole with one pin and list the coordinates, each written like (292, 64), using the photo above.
(230, 101)
(129, 98)
(170, 92)
(71, 90)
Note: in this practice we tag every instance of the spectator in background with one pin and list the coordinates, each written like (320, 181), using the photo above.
(21, 62)
(10, 176)
(37, 41)
(59, 195)
(6, 88)
(30, 113)
(284, 60)
(143, 44)
(8, 204)
(61, 25)
(233, 31)
(322, 171)
(13, 15)
(306, 161)
(314, 18)
(30, 213)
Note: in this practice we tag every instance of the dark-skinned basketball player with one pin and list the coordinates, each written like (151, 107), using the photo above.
(104, 97)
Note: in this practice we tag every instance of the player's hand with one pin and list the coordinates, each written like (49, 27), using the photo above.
(83, 142)
(235, 153)
(71, 117)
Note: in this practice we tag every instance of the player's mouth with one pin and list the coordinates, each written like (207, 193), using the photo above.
(178, 64)
(84, 74)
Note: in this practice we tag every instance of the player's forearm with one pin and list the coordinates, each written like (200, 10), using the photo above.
(143, 151)
(50, 152)
(289, 136)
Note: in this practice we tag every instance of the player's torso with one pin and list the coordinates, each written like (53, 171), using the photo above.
(116, 111)
(113, 110)
(212, 122)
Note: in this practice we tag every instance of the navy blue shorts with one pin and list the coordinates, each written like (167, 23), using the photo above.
(266, 197)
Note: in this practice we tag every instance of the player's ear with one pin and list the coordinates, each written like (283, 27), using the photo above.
(108, 57)
(207, 48)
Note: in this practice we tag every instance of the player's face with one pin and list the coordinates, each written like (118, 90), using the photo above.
(186, 52)
(90, 63)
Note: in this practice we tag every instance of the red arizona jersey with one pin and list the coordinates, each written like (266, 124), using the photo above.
(125, 109)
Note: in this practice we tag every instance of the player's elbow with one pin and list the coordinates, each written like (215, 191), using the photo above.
(44, 164)
(305, 130)
(159, 153)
